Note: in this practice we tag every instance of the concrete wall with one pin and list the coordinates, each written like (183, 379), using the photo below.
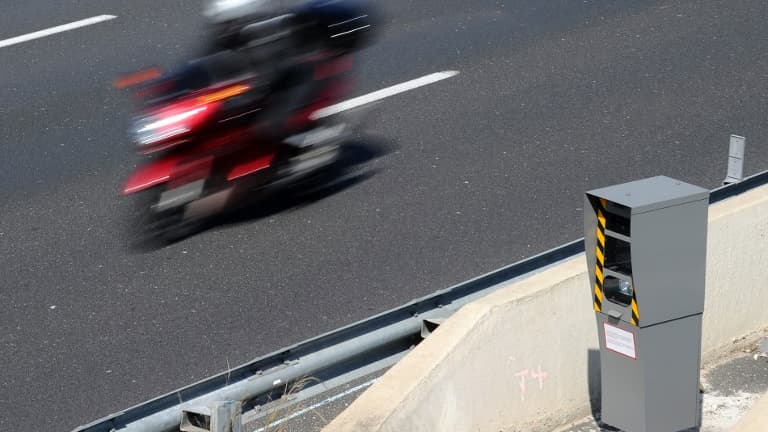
(737, 269)
(525, 357)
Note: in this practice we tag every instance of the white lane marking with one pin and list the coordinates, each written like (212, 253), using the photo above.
(53, 30)
(316, 406)
(383, 93)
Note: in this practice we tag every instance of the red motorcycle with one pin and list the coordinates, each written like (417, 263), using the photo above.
(203, 156)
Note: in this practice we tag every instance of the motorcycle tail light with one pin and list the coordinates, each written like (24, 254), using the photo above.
(173, 124)
(158, 130)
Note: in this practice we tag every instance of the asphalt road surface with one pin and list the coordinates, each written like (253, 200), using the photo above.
(454, 179)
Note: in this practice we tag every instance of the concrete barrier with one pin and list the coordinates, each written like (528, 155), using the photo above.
(525, 357)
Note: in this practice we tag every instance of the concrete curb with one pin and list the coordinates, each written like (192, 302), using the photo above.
(756, 420)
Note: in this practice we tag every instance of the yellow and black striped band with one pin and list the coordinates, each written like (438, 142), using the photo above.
(600, 255)
(635, 311)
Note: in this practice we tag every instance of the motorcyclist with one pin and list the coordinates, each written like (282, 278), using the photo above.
(301, 50)
(297, 61)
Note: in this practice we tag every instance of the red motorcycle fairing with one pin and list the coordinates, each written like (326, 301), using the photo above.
(179, 168)
(174, 169)
(229, 151)
(151, 174)
(252, 163)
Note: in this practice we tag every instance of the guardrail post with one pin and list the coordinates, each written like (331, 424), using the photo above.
(735, 160)
(218, 417)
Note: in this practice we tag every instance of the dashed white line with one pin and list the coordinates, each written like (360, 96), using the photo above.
(316, 406)
(53, 30)
(383, 93)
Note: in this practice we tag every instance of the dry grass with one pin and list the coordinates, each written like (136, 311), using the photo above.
(274, 420)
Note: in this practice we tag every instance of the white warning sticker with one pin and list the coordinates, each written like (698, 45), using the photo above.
(620, 341)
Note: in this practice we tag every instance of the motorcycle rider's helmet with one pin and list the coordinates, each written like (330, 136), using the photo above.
(342, 24)
(226, 18)
(223, 11)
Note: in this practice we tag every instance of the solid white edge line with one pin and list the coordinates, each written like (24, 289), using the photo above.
(317, 405)
(53, 30)
(383, 93)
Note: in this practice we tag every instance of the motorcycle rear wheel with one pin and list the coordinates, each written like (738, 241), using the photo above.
(165, 227)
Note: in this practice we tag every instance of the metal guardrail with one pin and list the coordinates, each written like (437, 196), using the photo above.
(733, 189)
(346, 354)
(342, 353)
